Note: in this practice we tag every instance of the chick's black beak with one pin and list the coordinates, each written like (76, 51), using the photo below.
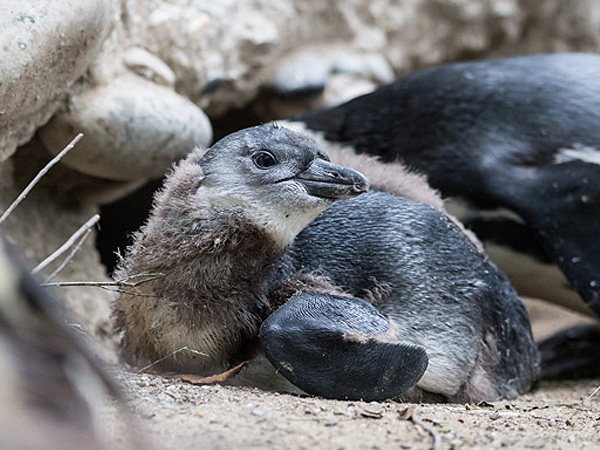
(328, 180)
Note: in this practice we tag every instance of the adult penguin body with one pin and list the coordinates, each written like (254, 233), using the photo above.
(518, 136)
(381, 296)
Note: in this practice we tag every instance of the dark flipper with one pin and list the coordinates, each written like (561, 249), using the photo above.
(341, 348)
(571, 353)
(562, 203)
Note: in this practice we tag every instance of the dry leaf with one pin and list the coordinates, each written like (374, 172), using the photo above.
(217, 378)
(406, 413)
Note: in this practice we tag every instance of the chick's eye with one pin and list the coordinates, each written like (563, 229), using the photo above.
(264, 160)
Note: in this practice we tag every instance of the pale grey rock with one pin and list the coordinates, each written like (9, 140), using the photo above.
(46, 46)
(344, 86)
(334, 72)
(242, 43)
(313, 70)
(133, 129)
(145, 64)
(371, 66)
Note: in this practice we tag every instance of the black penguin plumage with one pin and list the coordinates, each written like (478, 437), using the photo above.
(518, 133)
(431, 280)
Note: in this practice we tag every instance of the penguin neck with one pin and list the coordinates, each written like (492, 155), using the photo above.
(240, 257)
(218, 265)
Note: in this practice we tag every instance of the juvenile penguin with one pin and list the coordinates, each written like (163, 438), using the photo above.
(247, 271)
(518, 140)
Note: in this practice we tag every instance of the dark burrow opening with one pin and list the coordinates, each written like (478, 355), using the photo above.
(119, 220)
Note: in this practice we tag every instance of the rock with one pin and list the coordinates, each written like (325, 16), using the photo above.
(305, 73)
(145, 64)
(335, 72)
(133, 129)
(343, 87)
(46, 45)
(371, 66)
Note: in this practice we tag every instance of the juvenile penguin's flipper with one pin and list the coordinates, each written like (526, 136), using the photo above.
(341, 348)
(571, 353)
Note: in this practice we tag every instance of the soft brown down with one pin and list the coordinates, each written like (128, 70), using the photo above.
(196, 302)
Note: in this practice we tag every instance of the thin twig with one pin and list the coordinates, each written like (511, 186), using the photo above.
(186, 348)
(98, 284)
(437, 439)
(122, 292)
(82, 284)
(70, 256)
(147, 276)
(69, 242)
(115, 283)
(110, 288)
(589, 397)
(39, 176)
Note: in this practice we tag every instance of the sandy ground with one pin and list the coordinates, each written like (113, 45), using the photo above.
(171, 414)
(175, 415)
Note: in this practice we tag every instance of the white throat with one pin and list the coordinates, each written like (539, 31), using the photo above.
(282, 224)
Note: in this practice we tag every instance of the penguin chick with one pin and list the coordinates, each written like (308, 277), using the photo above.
(220, 222)
(231, 233)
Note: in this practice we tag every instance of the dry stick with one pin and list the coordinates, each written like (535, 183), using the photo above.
(186, 348)
(70, 256)
(122, 292)
(589, 397)
(81, 284)
(109, 286)
(68, 244)
(437, 439)
(116, 283)
(39, 176)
